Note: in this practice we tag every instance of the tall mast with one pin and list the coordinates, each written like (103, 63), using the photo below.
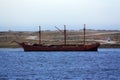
(84, 32)
(39, 35)
(64, 34)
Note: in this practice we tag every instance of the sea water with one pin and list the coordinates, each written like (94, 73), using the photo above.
(15, 64)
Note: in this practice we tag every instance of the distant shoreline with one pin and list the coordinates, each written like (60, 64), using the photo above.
(110, 46)
(101, 46)
(107, 38)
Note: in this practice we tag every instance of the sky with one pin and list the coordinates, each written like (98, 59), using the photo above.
(25, 15)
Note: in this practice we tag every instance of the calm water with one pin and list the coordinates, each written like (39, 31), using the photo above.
(15, 64)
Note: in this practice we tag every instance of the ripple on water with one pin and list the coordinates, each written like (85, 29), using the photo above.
(19, 65)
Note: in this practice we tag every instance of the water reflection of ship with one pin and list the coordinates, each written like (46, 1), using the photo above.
(64, 47)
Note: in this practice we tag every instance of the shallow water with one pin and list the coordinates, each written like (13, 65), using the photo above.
(15, 64)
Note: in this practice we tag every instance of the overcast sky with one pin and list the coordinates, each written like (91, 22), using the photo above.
(29, 14)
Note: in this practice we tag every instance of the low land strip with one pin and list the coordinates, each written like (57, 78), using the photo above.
(107, 38)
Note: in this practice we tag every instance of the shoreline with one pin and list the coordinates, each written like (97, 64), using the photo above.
(101, 46)
(107, 39)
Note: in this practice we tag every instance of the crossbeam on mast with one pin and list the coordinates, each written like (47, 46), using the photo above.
(65, 36)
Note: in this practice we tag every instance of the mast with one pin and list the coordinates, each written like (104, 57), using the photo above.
(39, 35)
(64, 34)
(84, 32)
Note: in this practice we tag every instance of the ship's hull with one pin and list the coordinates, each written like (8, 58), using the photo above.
(89, 47)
